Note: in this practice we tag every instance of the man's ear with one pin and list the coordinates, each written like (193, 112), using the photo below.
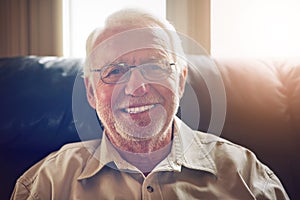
(182, 80)
(90, 92)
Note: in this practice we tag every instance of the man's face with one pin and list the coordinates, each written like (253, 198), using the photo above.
(138, 110)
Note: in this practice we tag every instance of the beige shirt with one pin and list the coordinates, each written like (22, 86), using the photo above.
(199, 166)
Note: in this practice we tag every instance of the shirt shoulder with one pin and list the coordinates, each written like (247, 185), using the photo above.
(70, 153)
(58, 169)
(239, 164)
(226, 153)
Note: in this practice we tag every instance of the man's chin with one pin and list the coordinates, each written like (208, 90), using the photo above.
(142, 130)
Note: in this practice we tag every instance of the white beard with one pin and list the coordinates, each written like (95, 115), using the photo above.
(140, 130)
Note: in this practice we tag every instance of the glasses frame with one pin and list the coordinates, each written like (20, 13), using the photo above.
(129, 71)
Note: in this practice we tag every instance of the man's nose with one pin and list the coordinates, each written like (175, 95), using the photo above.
(136, 85)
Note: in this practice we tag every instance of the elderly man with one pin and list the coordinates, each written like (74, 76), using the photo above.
(135, 75)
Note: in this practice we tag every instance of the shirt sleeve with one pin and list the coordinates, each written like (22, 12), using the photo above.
(262, 181)
(24, 185)
(273, 189)
(20, 192)
(259, 178)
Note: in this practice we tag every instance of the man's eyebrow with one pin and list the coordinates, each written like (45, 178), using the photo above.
(150, 60)
(153, 59)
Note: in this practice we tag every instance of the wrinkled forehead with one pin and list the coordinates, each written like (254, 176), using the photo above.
(133, 40)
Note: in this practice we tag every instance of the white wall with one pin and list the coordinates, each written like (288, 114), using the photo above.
(255, 28)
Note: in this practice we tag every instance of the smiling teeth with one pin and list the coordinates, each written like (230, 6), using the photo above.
(138, 109)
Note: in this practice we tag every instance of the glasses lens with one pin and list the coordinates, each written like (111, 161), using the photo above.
(155, 71)
(114, 73)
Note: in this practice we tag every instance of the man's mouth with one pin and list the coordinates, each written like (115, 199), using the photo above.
(138, 109)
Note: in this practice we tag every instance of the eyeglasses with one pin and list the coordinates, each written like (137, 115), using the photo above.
(121, 72)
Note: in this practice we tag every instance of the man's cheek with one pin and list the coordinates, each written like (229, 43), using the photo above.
(168, 87)
(104, 95)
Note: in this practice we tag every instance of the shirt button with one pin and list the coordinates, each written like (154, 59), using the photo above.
(150, 189)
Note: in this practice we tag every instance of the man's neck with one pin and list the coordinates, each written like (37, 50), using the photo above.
(146, 161)
(142, 145)
(145, 155)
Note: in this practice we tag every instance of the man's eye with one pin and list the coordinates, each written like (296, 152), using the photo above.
(115, 71)
(153, 67)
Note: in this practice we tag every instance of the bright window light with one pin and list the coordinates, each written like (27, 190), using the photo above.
(255, 28)
(82, 17)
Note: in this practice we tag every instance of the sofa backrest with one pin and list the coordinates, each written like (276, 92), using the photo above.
(263, 113)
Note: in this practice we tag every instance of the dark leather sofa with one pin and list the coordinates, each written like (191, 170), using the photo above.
(262, 101)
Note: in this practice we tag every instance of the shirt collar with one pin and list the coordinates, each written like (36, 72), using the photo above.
(190, 149)
(104, 155)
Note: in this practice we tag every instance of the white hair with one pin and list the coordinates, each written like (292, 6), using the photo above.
(128, 19)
